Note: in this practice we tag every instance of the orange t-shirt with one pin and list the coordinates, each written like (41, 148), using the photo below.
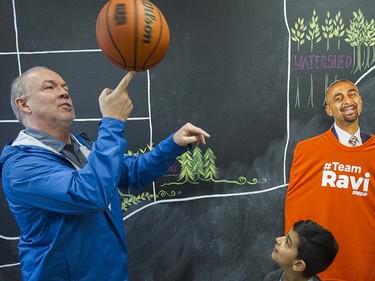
(334, 185)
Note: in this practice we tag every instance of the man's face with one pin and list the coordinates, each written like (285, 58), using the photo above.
(344, 103)
(286, 249)
(48, 102)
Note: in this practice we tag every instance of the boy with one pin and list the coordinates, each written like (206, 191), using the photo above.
(305, 251)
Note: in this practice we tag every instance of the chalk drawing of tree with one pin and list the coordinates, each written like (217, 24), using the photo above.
(198, 169)
(210, 170)
(311, 95)
(368, 41)
(314, 31)
(338, 28)
(298, 32)
(328, 29)
(314, 38)
(298, 99)
(326, 81)
(298, 36)
(186, 174)
(355, 38)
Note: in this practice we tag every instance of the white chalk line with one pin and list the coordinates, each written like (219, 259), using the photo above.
(364, 75)
(205, 197)
(189, 199)
(8, 237)
(49, 52)
(9, 265)
(16, 35)
(287, 94)
(85, 120)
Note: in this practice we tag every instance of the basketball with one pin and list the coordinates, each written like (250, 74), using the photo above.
(133, 34)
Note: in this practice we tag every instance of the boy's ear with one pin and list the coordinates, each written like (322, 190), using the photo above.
(299, 265)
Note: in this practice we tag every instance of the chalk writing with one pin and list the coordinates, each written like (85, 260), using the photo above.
(310, 62)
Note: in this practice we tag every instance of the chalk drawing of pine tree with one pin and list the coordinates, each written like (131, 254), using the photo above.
(210, 170)
(198, 169)
(186, 174)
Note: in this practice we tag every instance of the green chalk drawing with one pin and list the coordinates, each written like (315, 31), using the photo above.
(328, 29)
(338, 28)
(298, 32)
(130, 200)
(196, 169)
(314, 31)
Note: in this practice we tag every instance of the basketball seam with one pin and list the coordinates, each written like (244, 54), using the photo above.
(135, 33)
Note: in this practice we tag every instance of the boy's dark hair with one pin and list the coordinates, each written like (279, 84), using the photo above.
(317, 247)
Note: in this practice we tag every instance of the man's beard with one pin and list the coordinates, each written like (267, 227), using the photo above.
(351, 119)
(354, 117)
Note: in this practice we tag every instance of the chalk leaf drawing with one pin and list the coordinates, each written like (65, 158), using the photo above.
(359, 34)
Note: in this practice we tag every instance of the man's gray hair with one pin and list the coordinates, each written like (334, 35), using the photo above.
(20, 89)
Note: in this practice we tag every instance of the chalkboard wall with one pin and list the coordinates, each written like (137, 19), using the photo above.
(239, 69)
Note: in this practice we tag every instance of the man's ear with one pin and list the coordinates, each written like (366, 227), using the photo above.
(21, 103)
(328, 110)
(299, 265)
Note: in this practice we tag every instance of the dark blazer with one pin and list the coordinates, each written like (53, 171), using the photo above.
(364, 137)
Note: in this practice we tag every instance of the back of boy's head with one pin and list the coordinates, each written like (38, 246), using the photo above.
(317, 247)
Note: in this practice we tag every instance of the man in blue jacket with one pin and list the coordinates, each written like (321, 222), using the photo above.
(62, 189)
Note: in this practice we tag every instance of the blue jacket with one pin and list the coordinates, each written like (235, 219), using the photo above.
(70, 219)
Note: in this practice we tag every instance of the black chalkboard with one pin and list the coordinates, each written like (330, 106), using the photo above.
(234, 68)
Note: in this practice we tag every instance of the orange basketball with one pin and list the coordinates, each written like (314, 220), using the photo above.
(133, 34)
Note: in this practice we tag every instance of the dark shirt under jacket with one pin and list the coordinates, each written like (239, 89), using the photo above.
(71, 151)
